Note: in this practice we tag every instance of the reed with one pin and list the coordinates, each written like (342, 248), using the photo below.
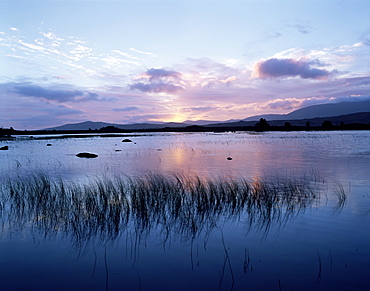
(185, 205)
(341, 194)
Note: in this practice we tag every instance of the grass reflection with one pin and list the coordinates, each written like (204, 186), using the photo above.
(183, 205)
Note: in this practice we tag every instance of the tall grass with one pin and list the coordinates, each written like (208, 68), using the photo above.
(185, 205)
(341, 194)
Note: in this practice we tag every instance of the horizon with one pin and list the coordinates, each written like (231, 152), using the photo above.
(128, 62)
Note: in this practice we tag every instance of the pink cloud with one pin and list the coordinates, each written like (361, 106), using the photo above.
(198, 109)
(285, 104)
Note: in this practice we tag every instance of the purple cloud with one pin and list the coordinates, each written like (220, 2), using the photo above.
(129, 108)
(58, 95)
(49, 94)
(156, 87)
(157, 74)
(198, 109)
(158, 82)
(286, 104)
(93, 96)
(63, 110)
(274, 68)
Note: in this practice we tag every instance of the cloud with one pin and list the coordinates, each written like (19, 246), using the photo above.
(112, 61)
(93, 96)
(63, 110)
(156, 118)
(58, 95)
(143, 53)
(273, 35)
(301, 28)
(365, 38)
(210, 66)
(126, 55)
(126, 109)
(49, 94)
(156, 74)
(296, 103)
(275, 68)
(198, 109)
(66, 55)
(32, 46)
(285, 104)
(50, 35)
(206, 73)
(158, 81)
(156, 87)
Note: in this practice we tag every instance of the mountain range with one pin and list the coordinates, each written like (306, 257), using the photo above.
(322, 110)
(347, 112)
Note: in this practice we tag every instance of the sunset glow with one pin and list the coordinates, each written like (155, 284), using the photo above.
(140, 61)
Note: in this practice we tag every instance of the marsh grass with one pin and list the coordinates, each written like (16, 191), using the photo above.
(341, 194)
(183, 205)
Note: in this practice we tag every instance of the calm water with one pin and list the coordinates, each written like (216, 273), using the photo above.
(320, 247)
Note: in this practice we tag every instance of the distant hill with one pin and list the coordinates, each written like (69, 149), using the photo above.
(207, 122)
(87, 125)
(361, 117)
(322, 110)
(347, 112)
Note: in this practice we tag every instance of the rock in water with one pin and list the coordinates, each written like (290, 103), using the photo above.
(87, 155)
(4, 148)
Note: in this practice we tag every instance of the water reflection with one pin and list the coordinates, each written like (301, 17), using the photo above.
(164, 222)
(180, 205)
(203, 154)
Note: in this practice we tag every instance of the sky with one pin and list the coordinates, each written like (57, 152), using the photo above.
(172, 61)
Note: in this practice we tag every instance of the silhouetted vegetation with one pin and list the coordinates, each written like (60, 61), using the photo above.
(327, 124)
(6, 132)
(262, 124)
(356, 121)
(185, 205)
(109, 129)
(287, 125)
